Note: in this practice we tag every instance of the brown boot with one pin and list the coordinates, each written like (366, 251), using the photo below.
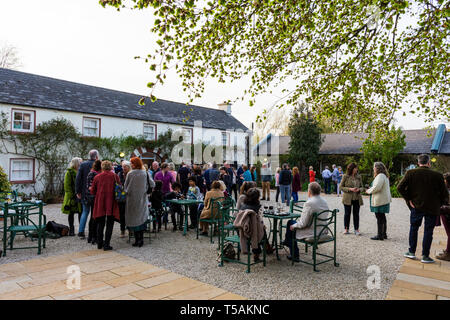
(444, 256)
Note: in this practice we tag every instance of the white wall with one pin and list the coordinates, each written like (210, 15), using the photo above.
(115, 126)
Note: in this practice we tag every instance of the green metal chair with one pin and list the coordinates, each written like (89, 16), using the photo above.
(20, 218)
(151, 218)
(214, 220)
(229, 234)
(322, 222)
(296, 206)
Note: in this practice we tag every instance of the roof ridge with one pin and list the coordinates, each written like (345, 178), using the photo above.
(102, 88)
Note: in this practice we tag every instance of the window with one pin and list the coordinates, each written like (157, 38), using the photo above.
(188, 135)
(225, 138)
(23, 120)
(149, 131)
(21, 170)
(91, 127)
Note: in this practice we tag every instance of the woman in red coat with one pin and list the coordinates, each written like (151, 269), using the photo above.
(296, 183)
(106, 209)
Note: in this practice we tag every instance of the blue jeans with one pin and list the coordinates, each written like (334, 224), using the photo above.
(327, 185)
(416, 222)
(285, 193)
(84, 215)
(295, 196)
(288, 239)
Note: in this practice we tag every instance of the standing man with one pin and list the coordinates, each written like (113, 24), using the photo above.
(183, 175)
(155, 168)
(266, 179)
(214, 173)
(82, 191)
(240, 176)
(326, 175)
(165, 177)
(424, 192)
(335, 177)
(285, 180)
(206, 176)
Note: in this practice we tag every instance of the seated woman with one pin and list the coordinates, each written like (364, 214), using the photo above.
(215, 192)
(258, 232)
(247, 185)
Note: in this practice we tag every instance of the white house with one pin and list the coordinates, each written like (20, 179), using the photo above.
(29, 99)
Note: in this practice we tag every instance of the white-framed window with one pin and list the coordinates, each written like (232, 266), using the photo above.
(91, 127)
(22, 120)
(225, 138)
(150, 131)
(188, 134)
(21, 170)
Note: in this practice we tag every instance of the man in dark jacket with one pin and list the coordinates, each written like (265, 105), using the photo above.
(82, 191)
(183, 176)
(285, 180)
(213, 175)
(424, 192)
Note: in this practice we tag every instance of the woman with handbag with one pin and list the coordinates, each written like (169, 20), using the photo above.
(71, 205)
(96, 169)
(106, 209)
(380, 198)
(137, 185)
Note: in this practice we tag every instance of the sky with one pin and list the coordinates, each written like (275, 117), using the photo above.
(80, 41)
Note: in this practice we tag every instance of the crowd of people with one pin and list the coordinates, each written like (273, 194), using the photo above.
(124, 192)
(105, 192)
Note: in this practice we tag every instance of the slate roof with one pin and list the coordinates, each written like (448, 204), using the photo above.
(32, 90)
(417, 142)
(445, 146)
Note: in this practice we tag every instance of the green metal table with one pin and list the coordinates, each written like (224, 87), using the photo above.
(278, 223)
(186, 203)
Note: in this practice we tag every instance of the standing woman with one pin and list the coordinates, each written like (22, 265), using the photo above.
(96, 169)
(126, 167)
(253, 173)
(380, 198)
(247, 175)
(339, 179)
(136, 208)
(352, 187)
(277, 183)
(312, 174)
(445, 218)
(106, 209)
(71, 205)
(296, 184)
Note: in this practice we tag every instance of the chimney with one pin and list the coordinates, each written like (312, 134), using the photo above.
(225, 106)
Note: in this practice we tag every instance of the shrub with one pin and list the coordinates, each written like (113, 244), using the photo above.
(394, 192)
(4, 182)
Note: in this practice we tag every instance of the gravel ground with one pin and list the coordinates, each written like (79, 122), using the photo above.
(278, 280)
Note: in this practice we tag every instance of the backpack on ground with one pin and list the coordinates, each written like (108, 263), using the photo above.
(57, 228)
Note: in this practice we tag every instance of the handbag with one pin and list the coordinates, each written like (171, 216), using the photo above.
(119, 192)
(228, 252)
(57, 228)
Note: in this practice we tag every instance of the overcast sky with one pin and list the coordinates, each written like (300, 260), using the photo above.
(80, 41)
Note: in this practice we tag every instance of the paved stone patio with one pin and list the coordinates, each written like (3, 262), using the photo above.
(104, 276)
(418, 281)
